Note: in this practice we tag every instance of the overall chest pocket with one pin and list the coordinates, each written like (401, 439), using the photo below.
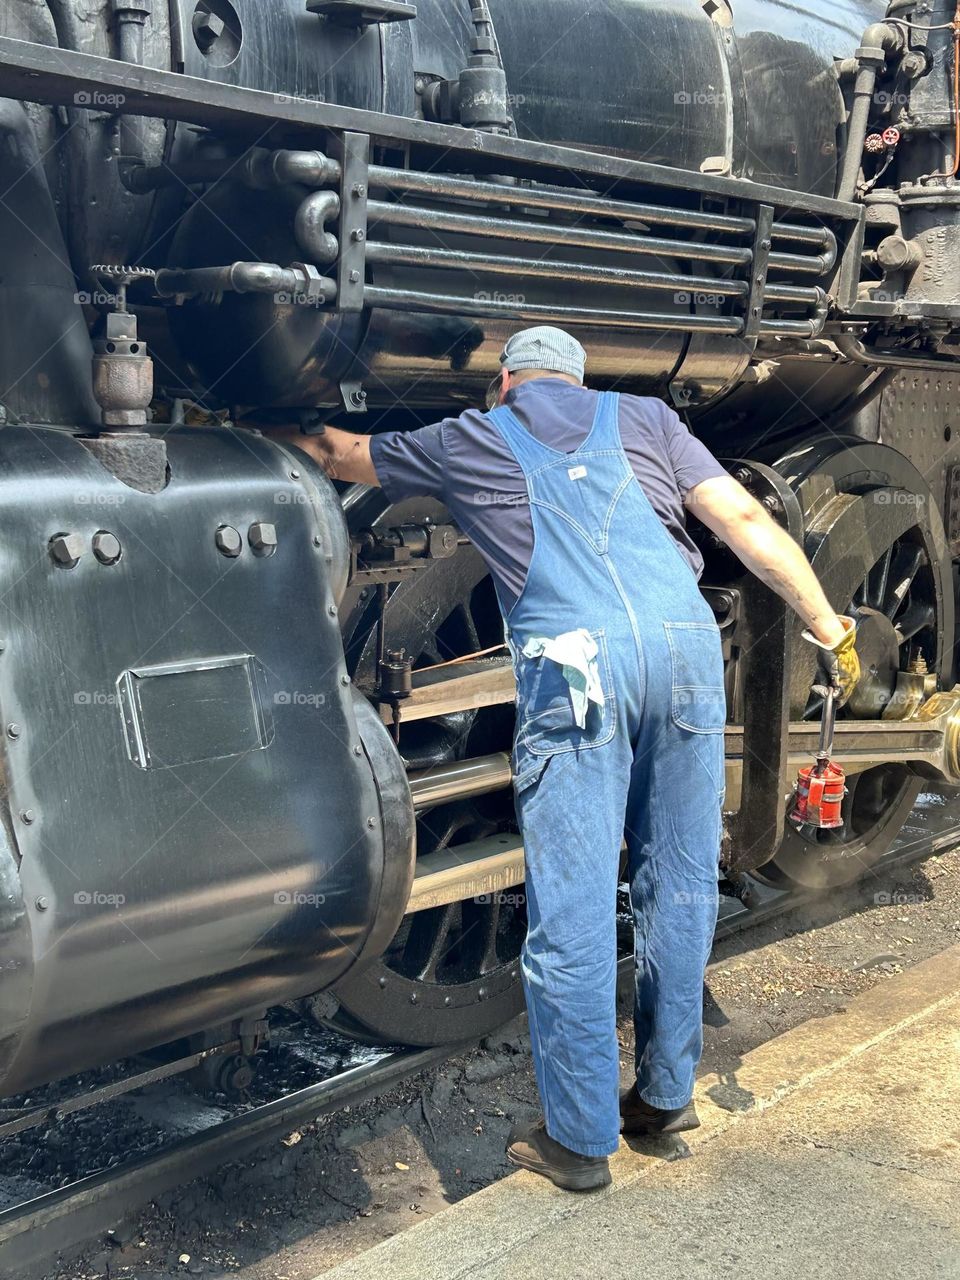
(699, 703)
(546, 716)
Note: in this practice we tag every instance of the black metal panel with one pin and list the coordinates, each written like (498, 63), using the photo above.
(296, 55)
(792, 109)
(626, 76)
(239, 860)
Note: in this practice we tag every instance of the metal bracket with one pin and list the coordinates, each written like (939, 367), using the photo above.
(353, 152)
(758, 274)
(362, 13)
(385, 556)
(354, 397)
(682, 395)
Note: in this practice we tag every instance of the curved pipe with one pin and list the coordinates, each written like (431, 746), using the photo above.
(130, 25)
(319, 244)
(309, 168)
(854, 349)
(65, 23)
(878, 40)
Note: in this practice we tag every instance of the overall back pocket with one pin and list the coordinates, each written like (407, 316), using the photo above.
(699, 703)
(546, 719)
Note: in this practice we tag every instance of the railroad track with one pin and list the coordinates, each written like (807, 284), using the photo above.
(37, 1228)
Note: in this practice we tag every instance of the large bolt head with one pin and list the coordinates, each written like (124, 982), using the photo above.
(66, 549)
(106, 547)
(263, 538)
(228, 540)
(207, 28)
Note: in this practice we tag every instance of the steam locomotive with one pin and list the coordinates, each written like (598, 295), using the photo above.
(255, 726)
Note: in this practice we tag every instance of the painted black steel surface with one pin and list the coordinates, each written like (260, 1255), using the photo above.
(193, 828)
(199, 820)
(684, 91)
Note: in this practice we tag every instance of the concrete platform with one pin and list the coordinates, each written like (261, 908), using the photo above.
(831, 1150)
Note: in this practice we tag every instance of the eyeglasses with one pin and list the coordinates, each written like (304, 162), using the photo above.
(492, 397)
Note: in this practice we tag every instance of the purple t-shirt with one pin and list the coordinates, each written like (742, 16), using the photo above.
(466, 463)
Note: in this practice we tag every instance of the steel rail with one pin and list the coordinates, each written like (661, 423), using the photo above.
(57, 1219)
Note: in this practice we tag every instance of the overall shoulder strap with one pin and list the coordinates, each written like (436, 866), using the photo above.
(606, 427)
(527, 451)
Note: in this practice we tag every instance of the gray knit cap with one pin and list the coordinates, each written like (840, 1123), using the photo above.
(545, 348)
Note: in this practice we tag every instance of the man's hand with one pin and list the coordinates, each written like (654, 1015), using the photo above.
(727, 509)
(342, 454)
(838, 667)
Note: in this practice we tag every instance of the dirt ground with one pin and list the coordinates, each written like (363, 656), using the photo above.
(335, 1188)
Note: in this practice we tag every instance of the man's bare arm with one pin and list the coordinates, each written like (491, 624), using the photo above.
(342, 454)
(727, 509)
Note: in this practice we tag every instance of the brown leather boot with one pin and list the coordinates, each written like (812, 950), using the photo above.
(639, 1117)
(531, 1147)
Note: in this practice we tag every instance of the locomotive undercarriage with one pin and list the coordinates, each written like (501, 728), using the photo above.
(877, 543)
(333, 260)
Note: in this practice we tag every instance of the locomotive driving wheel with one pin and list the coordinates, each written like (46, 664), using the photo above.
(452, 972)
(875, 538)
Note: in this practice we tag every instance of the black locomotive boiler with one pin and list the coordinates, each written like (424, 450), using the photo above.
(254, 727)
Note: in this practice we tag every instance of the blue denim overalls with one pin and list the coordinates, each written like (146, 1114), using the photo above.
(642, 757)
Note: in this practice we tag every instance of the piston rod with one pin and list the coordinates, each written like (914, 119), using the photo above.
(460, 779)
(929, 742)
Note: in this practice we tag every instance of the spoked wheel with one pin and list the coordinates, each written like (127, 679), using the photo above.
(452, 972)
(876, 542)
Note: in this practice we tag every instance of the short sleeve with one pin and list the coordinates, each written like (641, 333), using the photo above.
(691, 459)
(410, 464)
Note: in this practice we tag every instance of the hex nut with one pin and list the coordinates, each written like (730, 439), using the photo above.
(228, 540)
(66, 549)
(263, 538)
(207, 28)
(106, 547)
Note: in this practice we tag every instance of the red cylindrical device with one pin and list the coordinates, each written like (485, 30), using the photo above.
(820, 787)
(819, 796)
